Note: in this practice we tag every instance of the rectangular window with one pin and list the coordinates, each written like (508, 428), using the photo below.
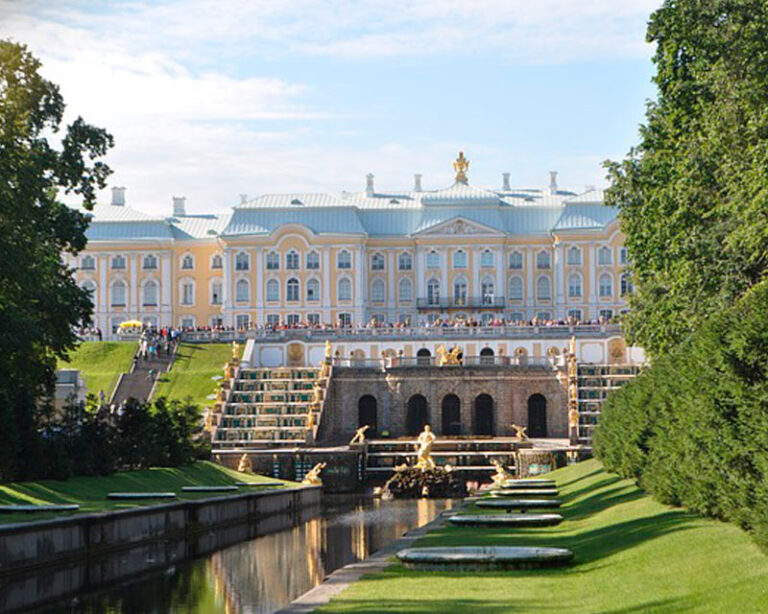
(542, 260)
(313, 319)
(313, 261)
(573, 256)
(460, 260)
(516, 260)
(118, 263)
(187, 294)
(188, 322)
(433, 260)
(404, 319)
(293, 319)
(242, 320)
(544, 315)
(345, 319)
(292, 261)
(575, 314)
(604, 256)
(273, 261)
(623, 255)
(273, 319)
(217, 321)
(377, 262)
(486, 259)
(606, 314)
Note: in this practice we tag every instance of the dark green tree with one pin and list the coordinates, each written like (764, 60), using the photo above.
(693, 195)
(39, 299)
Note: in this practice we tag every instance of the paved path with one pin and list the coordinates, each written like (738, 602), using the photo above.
(137, 383)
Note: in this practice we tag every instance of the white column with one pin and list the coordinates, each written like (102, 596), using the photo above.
(474, 288)
(226, 287)
(592, 308)
(501, 286)
(103, 310)
(325, 257)
(445, 259)
(166, 277)
(258, 280)
(559, 281)
(530, 277)
(391, 277)
(419, 260)
(360, 267)
(135, 307)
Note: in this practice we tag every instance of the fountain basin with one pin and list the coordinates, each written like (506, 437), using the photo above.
(506, 520)
(141, 495)
(475, 558)
(64, 507)
(525, 483)
(209, 488)
(517, 504)
(525, 492)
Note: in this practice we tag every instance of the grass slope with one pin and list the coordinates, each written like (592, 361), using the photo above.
(90, 492)
(192, 371)
(101, 362)
(632, 554)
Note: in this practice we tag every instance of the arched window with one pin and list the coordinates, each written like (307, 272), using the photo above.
(273, 261)
(344, 260)
(313, 290)
(417, 415)
(118, 262)
(573, 256)
(118, 294)
(150, 262)
(405, 262)
(516, 261)
(574, 285)
(604, 256)
(484, 421)
(366, 415)
(292, 260)
(433, 292)
(216, 291)
(88, 263)
(292, 289)
(451, 407)
(149, 298)
(242, 291)
(537, 416)
(605, 286)
(460, 259)
(405, 290)
(487, 291)
(486, 259)
(515, 288)
(460, 291)
(216, 261)
(378, 292)
(345, 289)
(242, 262)
(542, 260)
(273, 290)
(187, 262)
(377, 262)
(543, 288)
(313, 261)
(187, 292)
(433, 260)
(626, 284)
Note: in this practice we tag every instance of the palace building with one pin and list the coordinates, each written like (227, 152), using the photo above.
(394, 256)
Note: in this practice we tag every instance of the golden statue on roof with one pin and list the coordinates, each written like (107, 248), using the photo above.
(461, 166)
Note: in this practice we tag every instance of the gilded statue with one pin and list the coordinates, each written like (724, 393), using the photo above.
(573, 418)
(245, 464)
(318, 392)
(235, 351)
(359, 435)
(313, 475)
(448, 358)
(520, 434)
(424, 451)
(461, 166)
(328, 350)
(572, 346)
(501, 474)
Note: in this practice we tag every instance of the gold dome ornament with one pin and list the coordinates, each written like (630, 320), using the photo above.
(461, 166)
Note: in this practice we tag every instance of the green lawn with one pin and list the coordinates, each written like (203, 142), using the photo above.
(90, 492)
(632, 554)
(192, 371)
(101, 362)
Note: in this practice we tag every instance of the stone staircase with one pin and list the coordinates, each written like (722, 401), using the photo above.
(136, 383)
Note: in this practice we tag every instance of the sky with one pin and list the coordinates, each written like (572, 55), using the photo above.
(211, 99)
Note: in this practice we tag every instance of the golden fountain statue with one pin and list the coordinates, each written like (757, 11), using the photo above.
(328, 349)
(359, 437)
(448, 358)
(313, 475)
(461, 166)
(501, 475)
(424, 451)
(245, 464)
(520, 432)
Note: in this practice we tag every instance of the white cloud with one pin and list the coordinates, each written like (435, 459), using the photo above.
(167, 79)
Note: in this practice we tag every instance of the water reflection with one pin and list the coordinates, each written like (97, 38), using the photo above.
(266, 573)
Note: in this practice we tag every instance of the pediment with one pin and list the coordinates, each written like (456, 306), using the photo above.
(459, 226)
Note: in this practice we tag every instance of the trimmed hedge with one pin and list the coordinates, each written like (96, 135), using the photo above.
(693, 428)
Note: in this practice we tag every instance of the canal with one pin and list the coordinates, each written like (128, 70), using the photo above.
(266, 573)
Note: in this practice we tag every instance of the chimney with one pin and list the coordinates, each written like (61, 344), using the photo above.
(178, 206)
(243, 198)
(118, 197)
(552, 182)
(369, 184)
(417, 182)
(505, 182)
